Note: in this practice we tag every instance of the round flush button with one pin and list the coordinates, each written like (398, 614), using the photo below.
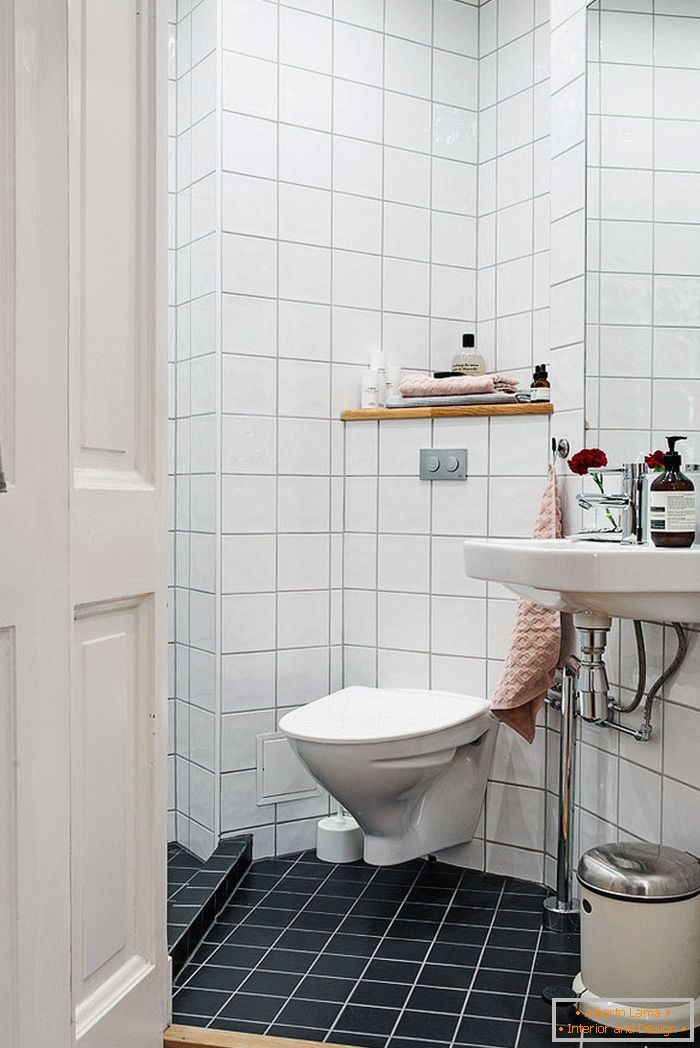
(451, 463)
(433, 463)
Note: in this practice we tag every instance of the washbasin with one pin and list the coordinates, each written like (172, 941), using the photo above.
(625, 581)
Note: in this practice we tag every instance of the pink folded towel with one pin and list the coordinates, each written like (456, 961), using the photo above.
(420, 385)
(535, 641)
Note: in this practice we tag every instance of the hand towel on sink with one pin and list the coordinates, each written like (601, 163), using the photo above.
(535, 640)
(419, 385)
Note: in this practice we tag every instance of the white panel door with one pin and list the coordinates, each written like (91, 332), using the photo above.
(83, 534)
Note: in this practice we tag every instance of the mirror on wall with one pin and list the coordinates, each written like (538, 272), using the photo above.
(643, 236)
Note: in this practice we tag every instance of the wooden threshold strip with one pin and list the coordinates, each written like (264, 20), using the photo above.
(462, 411)
(195, 1037)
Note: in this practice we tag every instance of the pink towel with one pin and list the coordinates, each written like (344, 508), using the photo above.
(420, 385)
(535, 641)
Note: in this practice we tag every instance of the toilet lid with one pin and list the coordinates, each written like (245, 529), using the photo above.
(379, 714)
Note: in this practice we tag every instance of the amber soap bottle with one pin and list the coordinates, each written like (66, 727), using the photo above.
(672, 503)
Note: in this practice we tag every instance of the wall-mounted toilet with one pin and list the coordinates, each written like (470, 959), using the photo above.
(410, 765)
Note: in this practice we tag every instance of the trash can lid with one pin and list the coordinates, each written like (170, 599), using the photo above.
(639, 872)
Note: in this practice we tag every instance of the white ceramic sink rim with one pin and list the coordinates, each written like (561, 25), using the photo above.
(573, 575)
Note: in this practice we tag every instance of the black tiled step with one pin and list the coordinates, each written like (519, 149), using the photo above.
(198, 891)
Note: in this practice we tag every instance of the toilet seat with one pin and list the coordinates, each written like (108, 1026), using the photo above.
(366, 715)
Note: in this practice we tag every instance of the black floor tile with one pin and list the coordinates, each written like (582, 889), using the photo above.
(210, 978)
(362, 1040)
(263, 915)
(495, 1005)
(381, 908)
(513, 938)
(398, 1042)
(252, 935)
(425, 930)
(287, 961)
(343, 967)
(298, 1033)
(501, 981)
(436, 999)
(366, 1020)
(404, 949)
(317, 922)
(199, 1002)
(286, 901)
(454, 953)
(298, 939)
(567, 964)
(239, 1025)
(237, 956)
(507, 960)
(380, 994)
(427, 1026)
(560, 942)
(318, 1014)
(203, 953)
(324, 988)
(330, 904)
(254, 1007)
(352, 945)
(272, 984)
(518, 919)
(401, 972)
(467, 934)
(353, 925)
(501, 1033)
(535, 1035)
(452, 976)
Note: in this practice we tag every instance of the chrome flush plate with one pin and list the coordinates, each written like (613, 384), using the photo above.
(443, 464)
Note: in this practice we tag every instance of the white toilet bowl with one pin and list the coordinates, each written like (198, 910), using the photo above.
(410, 765)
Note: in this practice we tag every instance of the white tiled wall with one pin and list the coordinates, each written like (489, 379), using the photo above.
(413, 619)
(626, 789)
(348, 204)
(194, 283)
(643, 343)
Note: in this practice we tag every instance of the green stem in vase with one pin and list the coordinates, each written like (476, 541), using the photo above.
(601, 488)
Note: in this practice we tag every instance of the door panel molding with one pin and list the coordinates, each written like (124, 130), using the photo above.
(113, 235)
(113, 820)
(7, 239)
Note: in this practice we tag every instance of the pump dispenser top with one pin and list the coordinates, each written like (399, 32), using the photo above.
(672, 503)
(672, 458)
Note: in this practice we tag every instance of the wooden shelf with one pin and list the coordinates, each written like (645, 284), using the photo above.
(453, 411)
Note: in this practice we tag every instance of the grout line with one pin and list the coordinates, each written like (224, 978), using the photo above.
(478, 965)
(529, 986)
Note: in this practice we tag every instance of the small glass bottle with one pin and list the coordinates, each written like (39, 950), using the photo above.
(540, 390)
(467, 362)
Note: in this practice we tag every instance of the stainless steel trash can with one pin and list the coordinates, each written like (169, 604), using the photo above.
(640, 931)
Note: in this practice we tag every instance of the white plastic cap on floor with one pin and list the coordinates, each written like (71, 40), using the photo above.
(339, 839)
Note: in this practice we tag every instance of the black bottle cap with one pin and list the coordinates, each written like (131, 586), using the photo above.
(542, 368)
(672, 459)
(468, 341)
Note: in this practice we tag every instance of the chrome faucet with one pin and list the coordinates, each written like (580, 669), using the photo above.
(631, 501)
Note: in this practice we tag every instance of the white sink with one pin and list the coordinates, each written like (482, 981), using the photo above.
(629, 582)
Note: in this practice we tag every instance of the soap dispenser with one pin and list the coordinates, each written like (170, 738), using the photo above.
(672, 503)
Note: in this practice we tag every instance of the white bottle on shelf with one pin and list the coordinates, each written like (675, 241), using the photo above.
(377, 363)
(370, 389)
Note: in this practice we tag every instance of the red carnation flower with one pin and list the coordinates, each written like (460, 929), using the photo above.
(587, 459)
(655, 460)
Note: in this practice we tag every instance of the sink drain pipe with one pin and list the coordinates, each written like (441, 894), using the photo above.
(583, 690)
